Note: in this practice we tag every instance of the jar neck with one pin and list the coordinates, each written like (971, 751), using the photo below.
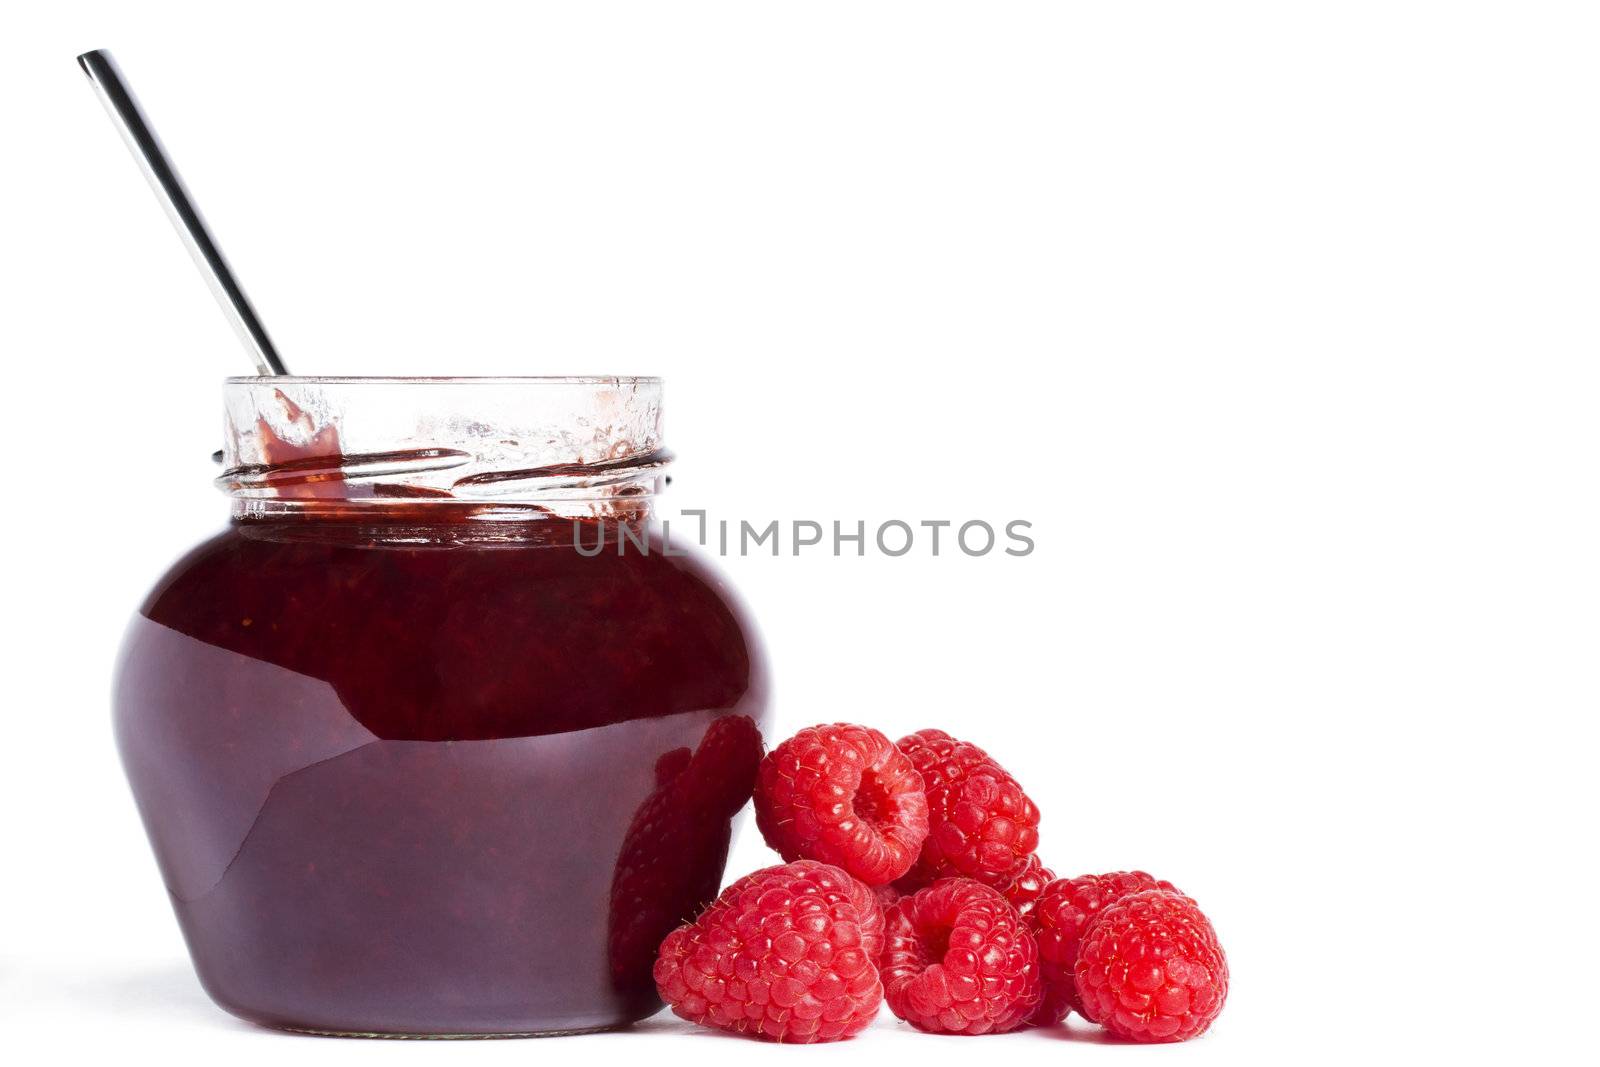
(444, 526)
(340, 491)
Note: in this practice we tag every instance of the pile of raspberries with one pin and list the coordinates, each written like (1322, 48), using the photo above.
(910, 876)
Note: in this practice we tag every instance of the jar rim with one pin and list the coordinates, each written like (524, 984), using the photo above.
(420, 379)
(572, 446)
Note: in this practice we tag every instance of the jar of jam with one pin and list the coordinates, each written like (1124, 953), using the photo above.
(439, 737)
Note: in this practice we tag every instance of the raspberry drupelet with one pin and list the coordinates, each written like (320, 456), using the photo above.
(981, 824)
(845, 795)
(784, 954)
(958, 959)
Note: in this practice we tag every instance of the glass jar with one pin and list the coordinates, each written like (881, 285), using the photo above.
(414, 758)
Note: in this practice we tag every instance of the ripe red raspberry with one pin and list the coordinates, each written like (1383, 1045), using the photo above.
(980, 823)
(844, 795)
(1150, 969)
(960, 960)
(1024, 892)
(1063, 912)
(784, 954)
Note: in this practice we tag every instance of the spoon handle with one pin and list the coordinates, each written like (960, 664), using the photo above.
(163, 177)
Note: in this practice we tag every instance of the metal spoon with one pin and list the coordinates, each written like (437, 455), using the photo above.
(163, 177)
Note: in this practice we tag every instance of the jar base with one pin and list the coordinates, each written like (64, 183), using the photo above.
(397, 1036)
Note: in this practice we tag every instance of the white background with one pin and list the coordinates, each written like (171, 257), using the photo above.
(1277, 320)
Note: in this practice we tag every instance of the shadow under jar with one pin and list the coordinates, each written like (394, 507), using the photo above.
(415, 758)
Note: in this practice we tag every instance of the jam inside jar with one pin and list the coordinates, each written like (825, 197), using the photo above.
(414, 757)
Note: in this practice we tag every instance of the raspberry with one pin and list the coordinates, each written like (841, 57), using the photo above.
(960, 960)
(1024, 892)
(1062, 914)
(1150, 969)
(844, 795)
(784, 954)
(981, 824)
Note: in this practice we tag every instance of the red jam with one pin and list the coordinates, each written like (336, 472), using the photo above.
(403, 778)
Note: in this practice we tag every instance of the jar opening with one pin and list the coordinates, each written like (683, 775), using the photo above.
(484, 448)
